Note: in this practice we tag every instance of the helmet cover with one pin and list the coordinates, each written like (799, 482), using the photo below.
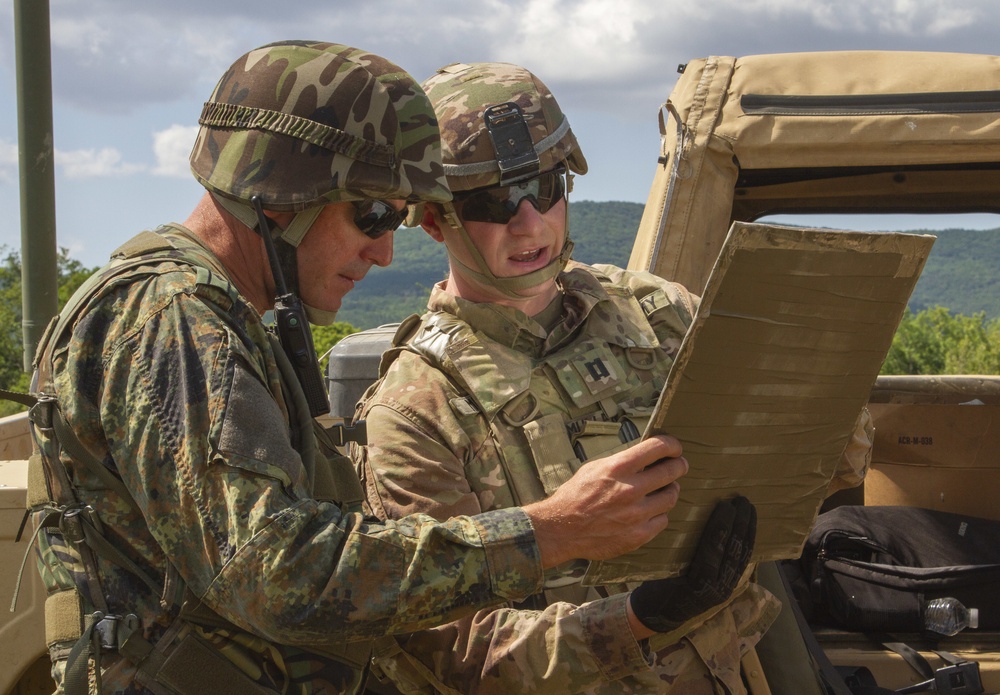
(304, 124)
(461, 93)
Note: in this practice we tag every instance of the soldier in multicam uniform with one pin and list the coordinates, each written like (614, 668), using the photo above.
(195, 531)
(526, 365)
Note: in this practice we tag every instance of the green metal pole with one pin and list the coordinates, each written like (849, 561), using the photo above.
(39, 299)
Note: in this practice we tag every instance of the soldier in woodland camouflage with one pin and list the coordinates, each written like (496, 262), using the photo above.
(525, 366)
(196, 529)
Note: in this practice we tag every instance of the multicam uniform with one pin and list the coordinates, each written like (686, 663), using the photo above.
(191, 481)
(484, 409)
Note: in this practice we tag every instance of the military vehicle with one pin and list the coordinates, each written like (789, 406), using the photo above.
(846, 132)
(745, 139)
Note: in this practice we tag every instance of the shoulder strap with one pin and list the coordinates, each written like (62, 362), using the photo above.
(406, 330)
(25, 399)
(487, 372)
(82, 297)
(137, 251)
(144, 243)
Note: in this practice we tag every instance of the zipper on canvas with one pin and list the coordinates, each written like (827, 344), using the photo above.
(870, 104)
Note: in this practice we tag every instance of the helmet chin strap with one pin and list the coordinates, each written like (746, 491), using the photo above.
(288, 242)
(517, 160)
(510, 287)
(319, 317)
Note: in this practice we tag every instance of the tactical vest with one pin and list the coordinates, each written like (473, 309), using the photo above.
(549, 415)
(181, 662)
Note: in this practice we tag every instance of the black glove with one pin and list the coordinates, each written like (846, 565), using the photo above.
(719, 561)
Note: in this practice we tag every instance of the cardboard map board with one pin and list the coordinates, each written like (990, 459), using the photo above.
(766, 388)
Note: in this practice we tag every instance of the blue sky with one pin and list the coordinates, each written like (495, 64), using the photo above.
(129, 77)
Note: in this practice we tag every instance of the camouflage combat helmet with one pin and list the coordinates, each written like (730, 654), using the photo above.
(303, 124)
(461, 93)
(463, 96)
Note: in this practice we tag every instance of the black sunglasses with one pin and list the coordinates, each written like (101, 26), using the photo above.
(376, 217)
(499, 203)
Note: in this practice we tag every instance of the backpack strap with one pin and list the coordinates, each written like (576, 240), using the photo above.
(956, 670)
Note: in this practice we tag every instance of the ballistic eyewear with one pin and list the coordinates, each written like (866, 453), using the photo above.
(376, 217)
(499, 203)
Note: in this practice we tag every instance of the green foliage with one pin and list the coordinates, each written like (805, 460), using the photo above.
(934, 341)
(604, 232)
(325, 337)
(959, 274)
(71, 274)
(12, 376)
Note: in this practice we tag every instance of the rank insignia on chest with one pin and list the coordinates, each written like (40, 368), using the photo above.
(597, 369)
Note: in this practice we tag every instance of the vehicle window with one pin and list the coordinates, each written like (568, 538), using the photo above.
(953, 323)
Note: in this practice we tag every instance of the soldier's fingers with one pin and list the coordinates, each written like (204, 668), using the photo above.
(745, 517)
(659, 474)
(663, 499)
(647, 453)
(711, 554)
(744, 530)
(740, 544)
(650, 528)
(645, 517)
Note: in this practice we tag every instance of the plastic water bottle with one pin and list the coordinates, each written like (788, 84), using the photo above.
(947, 616)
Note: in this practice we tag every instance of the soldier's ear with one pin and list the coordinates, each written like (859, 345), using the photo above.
(432, 222)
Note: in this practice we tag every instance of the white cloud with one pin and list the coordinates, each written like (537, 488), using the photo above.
(8, 161)
(909, 18)
(91, 163)
(120, 57)
(172, 148)
(923, 18)
(610, 63)
(83, 35)
(589, 40)
(114, 57)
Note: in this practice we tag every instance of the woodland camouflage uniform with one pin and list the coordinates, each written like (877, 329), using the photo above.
(184, 503)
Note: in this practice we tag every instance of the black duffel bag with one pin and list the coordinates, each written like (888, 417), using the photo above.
(872, 569)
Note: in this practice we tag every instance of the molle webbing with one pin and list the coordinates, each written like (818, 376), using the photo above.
(501, 382)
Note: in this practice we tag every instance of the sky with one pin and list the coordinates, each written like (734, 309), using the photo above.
(130, 76)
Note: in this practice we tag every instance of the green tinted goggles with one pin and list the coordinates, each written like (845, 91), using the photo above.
(499, 204)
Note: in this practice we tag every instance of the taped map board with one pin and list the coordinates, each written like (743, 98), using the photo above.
(767, 386)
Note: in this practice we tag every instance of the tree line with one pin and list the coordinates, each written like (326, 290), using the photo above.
(929, 341)
(959, 274)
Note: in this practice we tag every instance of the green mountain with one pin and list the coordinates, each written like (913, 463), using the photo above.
(960, 273)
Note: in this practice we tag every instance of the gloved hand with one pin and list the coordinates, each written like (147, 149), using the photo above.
(719, 561)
